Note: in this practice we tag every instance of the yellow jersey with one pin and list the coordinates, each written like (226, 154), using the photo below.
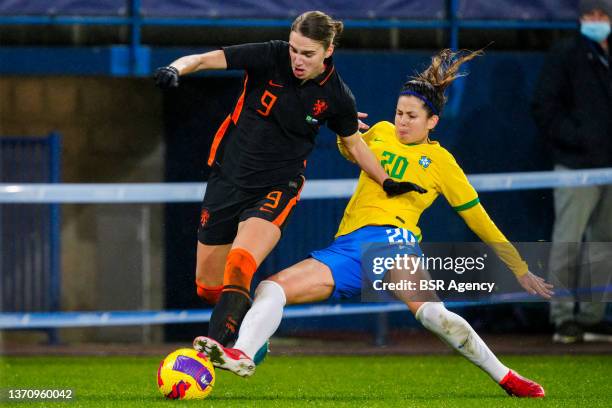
(432, 167)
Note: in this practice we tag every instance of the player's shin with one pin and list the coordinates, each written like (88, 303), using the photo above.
(227, 316)
(263, 319)
(234, 301)
(458, 333)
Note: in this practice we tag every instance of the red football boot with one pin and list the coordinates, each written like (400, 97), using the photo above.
(226, 358)
(517, 386)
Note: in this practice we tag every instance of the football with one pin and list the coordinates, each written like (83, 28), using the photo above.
(185, 374)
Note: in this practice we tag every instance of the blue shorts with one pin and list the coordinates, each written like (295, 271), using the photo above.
(349, 253)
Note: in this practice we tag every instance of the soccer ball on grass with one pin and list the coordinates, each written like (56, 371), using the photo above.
(185, 374)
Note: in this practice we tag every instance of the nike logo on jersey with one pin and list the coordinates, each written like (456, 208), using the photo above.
(274, 84)
(378, 140)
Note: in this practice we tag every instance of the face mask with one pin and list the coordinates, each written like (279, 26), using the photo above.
(595, 30)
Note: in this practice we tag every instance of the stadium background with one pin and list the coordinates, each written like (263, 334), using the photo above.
(82, 69)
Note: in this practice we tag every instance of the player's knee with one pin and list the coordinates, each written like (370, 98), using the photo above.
(271, 289)
(283, 280)
(277, 278)
(209, 294)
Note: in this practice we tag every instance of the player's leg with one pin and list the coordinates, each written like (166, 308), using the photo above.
(255, 239)
(573, 209)
(210, 263)
(596, 271)
(307, 281)
(219, 217)
(219, 221)
(333, 272)
(258, 233)
(458, 334)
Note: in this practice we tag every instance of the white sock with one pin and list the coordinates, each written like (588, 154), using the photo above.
(262, 320)
(458, 333)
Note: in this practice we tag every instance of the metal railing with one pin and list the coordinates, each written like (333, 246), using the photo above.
(30, 234)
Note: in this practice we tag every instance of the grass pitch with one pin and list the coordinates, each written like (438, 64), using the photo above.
(407, 381)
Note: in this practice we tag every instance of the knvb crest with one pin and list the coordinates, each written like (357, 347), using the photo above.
(319, 107)
(204, 216)
(424, 161)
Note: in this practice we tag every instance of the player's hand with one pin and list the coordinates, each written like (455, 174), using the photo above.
(360, 124)
(167, 77)
(535, 285)
(394, 188)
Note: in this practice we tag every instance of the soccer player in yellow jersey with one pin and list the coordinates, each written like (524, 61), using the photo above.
(408, 155)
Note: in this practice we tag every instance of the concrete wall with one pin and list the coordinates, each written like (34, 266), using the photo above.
(112, 132)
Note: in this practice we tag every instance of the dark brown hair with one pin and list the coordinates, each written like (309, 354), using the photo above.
(432, 82)
(319, 27)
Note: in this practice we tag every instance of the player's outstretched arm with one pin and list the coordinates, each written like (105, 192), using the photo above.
(479, 221)
(168, 76)
(462, 196)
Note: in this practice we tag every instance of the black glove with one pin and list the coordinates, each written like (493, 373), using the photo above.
(167, 77)
(394, 188)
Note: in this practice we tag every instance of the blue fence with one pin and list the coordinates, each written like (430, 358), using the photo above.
(135, 58)
(30, 234)
(281, 9)
(32, 194)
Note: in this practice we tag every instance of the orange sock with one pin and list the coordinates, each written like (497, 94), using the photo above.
(239, 270)
(209, 294)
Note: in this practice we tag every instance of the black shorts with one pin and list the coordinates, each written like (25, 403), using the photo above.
(225, 205)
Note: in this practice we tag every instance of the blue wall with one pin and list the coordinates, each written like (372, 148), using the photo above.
(363, 9)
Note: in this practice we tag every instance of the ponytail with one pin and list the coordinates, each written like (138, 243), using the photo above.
(430, 85)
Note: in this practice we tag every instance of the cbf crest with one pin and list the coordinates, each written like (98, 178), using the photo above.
(424, 161)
